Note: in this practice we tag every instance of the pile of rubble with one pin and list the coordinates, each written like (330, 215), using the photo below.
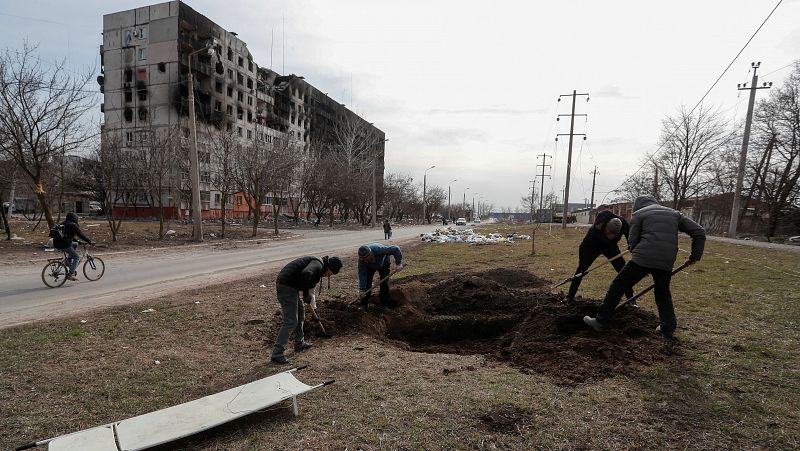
(453, 235)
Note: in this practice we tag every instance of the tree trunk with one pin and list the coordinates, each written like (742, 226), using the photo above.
(5, 223)
(40, 195)
(222, 214)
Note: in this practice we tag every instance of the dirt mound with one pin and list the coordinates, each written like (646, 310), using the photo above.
(478, 314)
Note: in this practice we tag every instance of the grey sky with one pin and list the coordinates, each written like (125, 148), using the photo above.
(471, 87)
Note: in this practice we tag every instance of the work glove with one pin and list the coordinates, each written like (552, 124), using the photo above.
(313, 302)
(399, 267)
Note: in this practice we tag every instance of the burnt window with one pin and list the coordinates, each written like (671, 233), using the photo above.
(230, 91)
(250, 66)
(162, 67)
(249, 100)
(218, 86)
(128, 95)
(240, 114)
(241, 61)
(249, 116)
(230, 74)
(128, 114)
(128, 75)
(142, 94)
(142, 113)
(229, 109)
(250, 83)
(217, 106)
(230, 54)
(240, 78)
(240, 96)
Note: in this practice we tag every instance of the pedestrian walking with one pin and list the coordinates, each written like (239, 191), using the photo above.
(387, 229)
(653, 241)
(300, 275)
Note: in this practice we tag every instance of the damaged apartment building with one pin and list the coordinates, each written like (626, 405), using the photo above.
(145, 62)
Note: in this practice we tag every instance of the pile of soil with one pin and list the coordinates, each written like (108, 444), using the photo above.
(499, 314)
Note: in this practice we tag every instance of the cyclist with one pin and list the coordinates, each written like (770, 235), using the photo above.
(67, 243)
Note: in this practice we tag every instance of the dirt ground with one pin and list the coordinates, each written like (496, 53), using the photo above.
(475, 355)
(500, 314)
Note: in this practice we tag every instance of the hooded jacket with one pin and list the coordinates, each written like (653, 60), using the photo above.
(381, 258)
(71, 230)
(653, 238)
(302, 274)
(597, 238)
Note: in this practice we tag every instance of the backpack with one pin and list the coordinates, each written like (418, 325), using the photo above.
(57, 231)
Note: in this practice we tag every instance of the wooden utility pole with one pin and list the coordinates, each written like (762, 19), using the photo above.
(533, 185)
(571, 134)
(594, 178)
(734, 223)
(543, 165)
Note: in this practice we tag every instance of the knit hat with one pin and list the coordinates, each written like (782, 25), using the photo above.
(614, 225)
(334, 264)
(364, 251)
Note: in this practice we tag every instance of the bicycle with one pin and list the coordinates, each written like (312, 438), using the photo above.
(56, 270)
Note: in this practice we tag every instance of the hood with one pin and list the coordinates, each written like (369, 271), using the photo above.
(72, 217)
(643, 201)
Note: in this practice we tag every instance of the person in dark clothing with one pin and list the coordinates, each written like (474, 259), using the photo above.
(67, 243)
(387, 229)
(300, 275)
(602, 239)
(653, 241)
(376, 257)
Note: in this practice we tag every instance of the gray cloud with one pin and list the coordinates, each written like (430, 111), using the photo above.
(613, 92)
(488, 110)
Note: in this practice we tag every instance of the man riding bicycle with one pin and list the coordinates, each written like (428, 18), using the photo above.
(67, 243)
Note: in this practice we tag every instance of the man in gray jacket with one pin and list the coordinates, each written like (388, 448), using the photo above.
(653, 241)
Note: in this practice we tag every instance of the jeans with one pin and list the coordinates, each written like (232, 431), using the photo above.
(627, 278)
(293, 315)
(586, 256)
(386, 300)
(72, 257)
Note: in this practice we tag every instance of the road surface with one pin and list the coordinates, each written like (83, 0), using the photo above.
(141, 275)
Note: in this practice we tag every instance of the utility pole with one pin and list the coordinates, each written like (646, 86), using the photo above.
(734, 223)
(569, 154)
(594, 177)
(424, 182)
(543, 165)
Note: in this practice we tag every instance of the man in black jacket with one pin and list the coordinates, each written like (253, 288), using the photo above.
(653, 241)
(66, 243)
(300, 275)
(601, 239)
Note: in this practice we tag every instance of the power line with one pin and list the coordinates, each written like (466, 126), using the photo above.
(650, 157)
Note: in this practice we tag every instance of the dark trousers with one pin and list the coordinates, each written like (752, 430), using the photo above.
(586, 256)
(627, 278)
(384, 291)
(293, 313)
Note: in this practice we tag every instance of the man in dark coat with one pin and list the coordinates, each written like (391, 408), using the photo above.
(387, 229)
(601, 239)
(300, 275)
(67, 243)
(653, 241)
(376, 257)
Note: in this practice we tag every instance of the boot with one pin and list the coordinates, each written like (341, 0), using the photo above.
(280, 360)
(594, 324)
(303, 347)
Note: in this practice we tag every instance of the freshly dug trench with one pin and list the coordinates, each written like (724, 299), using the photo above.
(483, 313)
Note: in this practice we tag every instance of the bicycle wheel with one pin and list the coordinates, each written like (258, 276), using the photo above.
(94, 268)
(54, 274)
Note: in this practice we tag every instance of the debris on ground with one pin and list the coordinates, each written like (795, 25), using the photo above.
(502, 314)
(148, 310)
(454, 235)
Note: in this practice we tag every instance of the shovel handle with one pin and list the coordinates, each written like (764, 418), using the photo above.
(577, 276)
(379, 282)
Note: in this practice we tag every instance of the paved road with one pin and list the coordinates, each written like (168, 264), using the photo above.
(138, 276)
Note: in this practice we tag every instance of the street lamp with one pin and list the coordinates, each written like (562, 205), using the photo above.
(375, 190)
(449, 213)
(473, 206)
(424, 180)
(194, 166)
(464, 201)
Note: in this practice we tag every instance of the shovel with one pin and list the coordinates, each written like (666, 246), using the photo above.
(646, 290)
(578, 276)
(314, 315)
(368, 290)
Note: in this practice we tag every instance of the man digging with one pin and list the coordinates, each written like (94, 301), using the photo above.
(301, 274)
(653, 241)
(601, 239)
(376, 257)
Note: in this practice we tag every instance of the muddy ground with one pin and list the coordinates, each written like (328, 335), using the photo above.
(505, 315)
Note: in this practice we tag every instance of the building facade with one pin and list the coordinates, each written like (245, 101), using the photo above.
(145, 60)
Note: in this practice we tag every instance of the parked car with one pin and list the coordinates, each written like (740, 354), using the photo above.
(461, 222)
(477, 220)
(95, 209)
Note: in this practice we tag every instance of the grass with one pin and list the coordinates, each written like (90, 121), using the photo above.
(736, 384)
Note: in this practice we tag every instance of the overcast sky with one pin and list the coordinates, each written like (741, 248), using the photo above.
(471, 87)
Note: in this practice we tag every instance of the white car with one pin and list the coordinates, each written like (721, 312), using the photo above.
(461, 222)
(477, 221)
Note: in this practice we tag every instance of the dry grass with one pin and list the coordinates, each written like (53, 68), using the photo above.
(734, 387)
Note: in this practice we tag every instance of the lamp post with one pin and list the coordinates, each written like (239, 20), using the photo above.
(473, 206)
(449, 213)
(375, 189)
(464, 201)
(194, 166)
(424, 181)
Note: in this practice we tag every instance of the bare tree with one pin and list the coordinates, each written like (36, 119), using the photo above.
(41, 112)
(434, 200)
(225, 147)
(777, 122)
(156, 167)
(689, 141)
(283, 157)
